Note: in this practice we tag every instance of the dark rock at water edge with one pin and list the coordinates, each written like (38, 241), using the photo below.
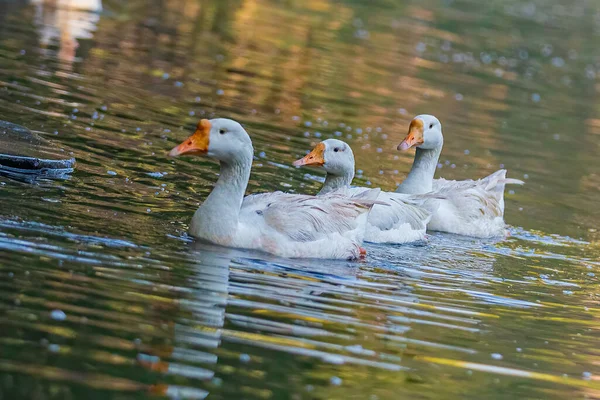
(23, 154)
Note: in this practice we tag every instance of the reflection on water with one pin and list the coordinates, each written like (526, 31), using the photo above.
(102, 295)
(66, 22)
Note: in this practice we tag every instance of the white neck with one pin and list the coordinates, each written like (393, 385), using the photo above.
(217, 218)
(420, 177)
(334, 182)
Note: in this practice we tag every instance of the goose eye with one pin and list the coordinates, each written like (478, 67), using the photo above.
(336, 149)
(430, 126)
(222, 131)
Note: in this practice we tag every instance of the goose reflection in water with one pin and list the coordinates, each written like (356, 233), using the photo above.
(66, 23)
(192, 352)
(219, 273)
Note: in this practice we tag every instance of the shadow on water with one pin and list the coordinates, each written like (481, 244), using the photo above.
(102, 294)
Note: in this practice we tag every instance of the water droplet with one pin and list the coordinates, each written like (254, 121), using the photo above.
(558, 62)
(54, 348)
(112, 173)
(245, 358)
(497, 356)
(523, 54)
(586, 375)
(58, 315)
(536, 97)
(590, 72)
(485, 58)
(335, 381)
(547, 50)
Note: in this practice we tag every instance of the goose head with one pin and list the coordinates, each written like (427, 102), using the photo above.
(222, 139)
(424, 132)
(333, 155)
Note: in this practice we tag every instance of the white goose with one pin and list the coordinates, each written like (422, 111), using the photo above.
(402, 220)
(472, 208)
(286, 225)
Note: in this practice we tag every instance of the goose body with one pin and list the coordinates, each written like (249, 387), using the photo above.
(403, 219)
(286, 225)
(469, 207)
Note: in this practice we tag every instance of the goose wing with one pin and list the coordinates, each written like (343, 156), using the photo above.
(304, 218)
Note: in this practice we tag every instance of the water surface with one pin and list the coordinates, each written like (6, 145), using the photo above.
(103, 296)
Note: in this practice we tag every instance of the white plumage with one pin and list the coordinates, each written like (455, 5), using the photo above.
(283, 224)
(469, 207)
(403, 218)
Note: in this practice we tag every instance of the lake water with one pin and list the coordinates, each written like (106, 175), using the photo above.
(103, 296)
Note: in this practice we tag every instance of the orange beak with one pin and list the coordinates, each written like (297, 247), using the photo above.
(195, 145)
(315, 158)
(414, 137)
